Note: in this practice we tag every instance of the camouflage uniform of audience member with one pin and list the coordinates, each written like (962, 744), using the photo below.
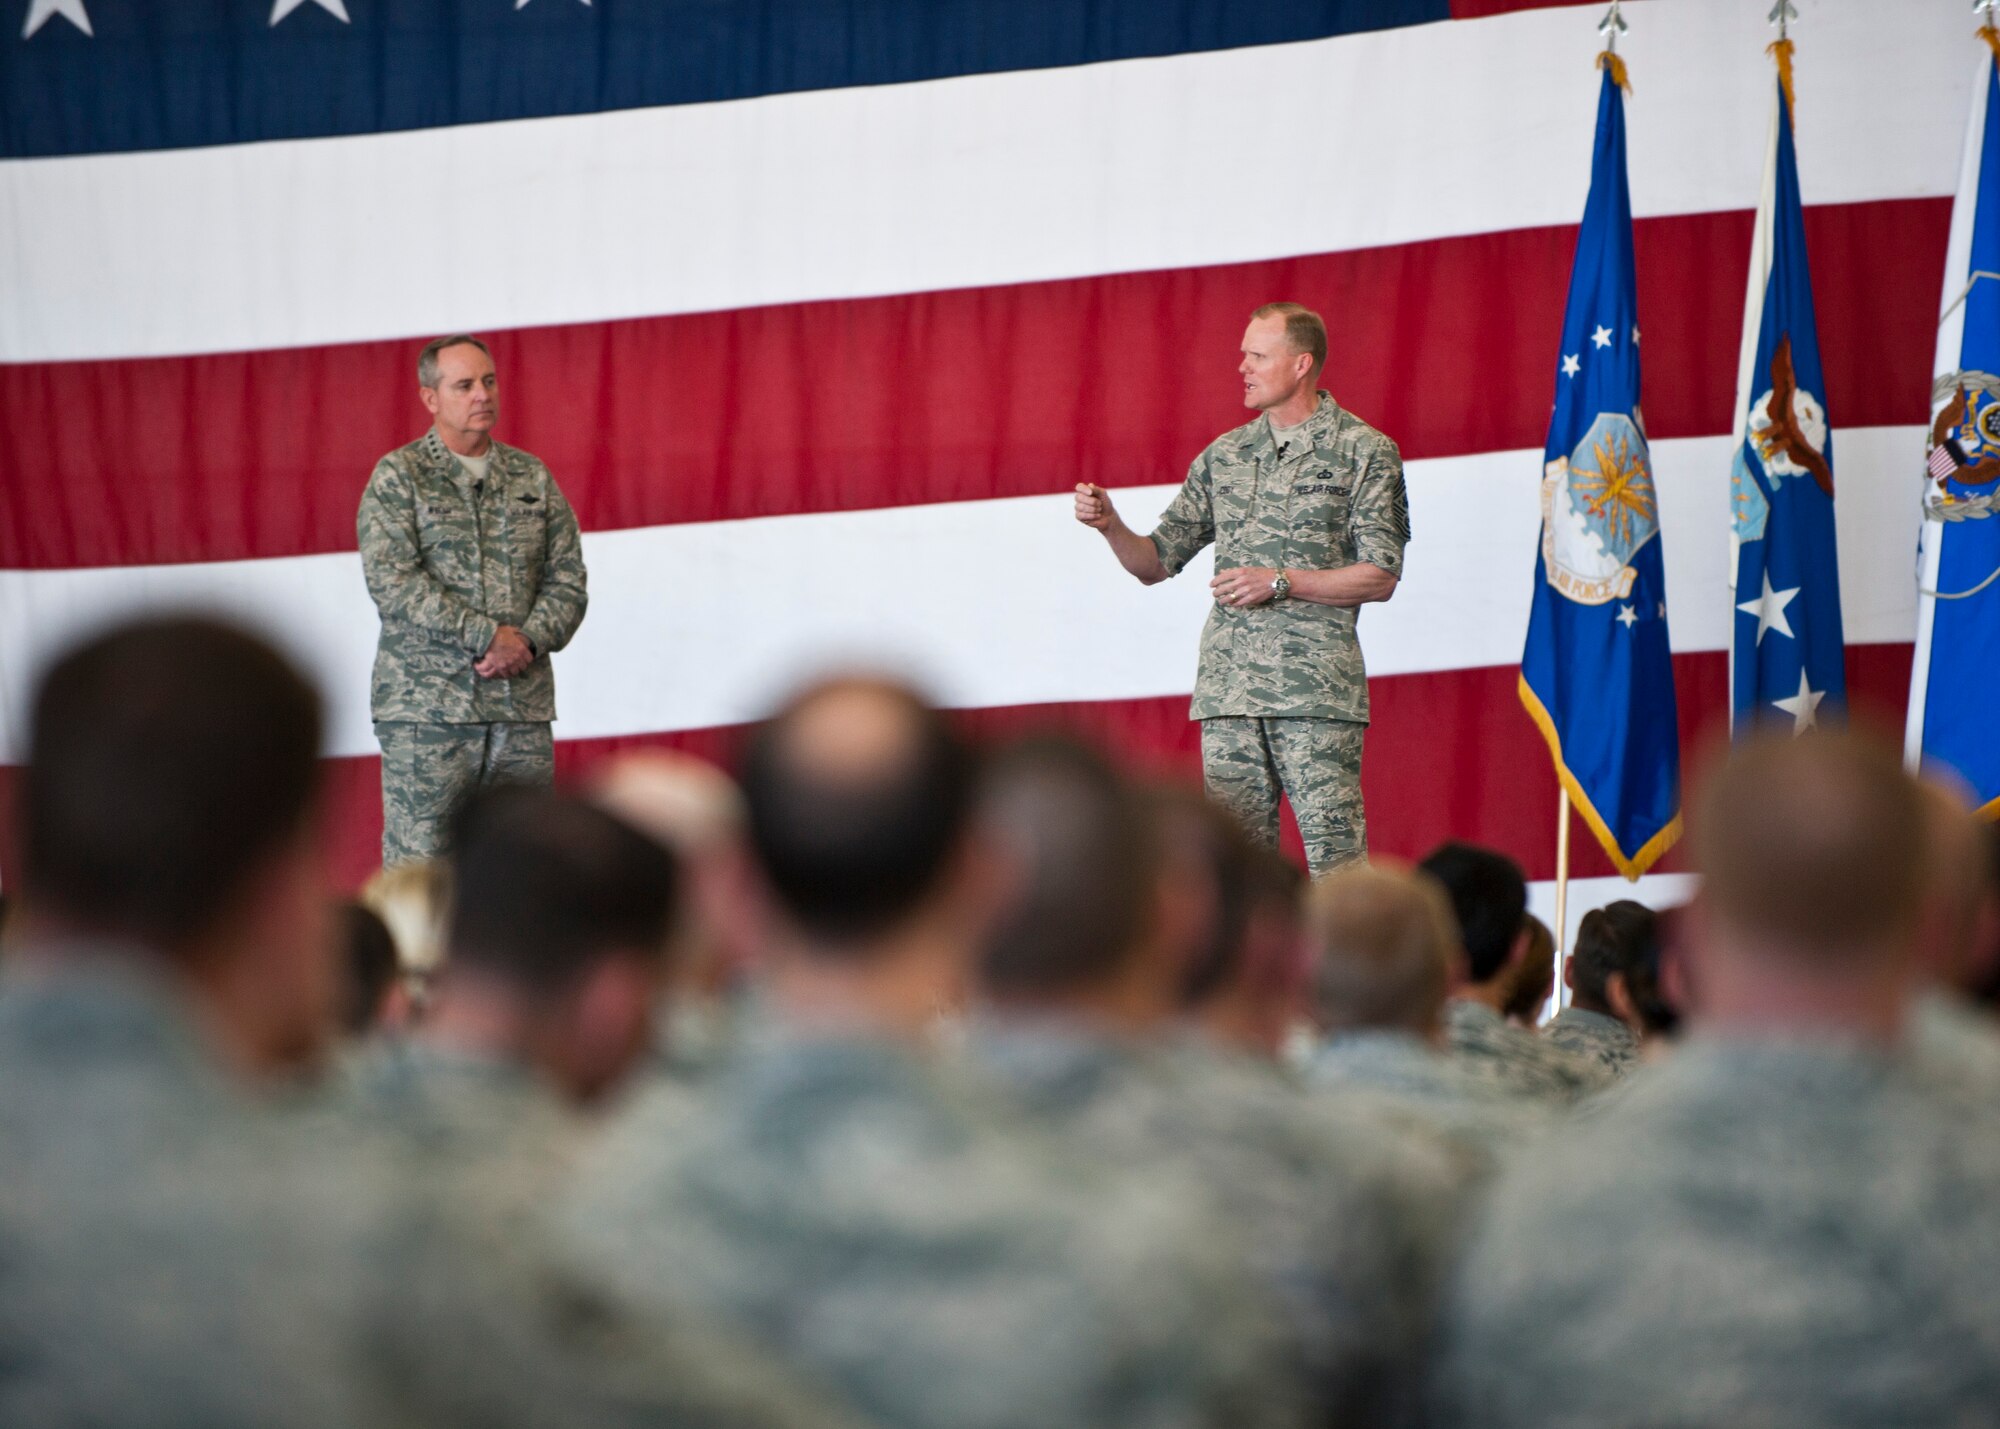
(1594, 1037)
(449, 561)
(1956, 1041)
(888, 1225)
(495, 1149)
(1794, 1234)
(1488, 1048)
(1350, 1221)
(166, 1262)
(1281, 692)
(202, 1259)
(1402, 1073)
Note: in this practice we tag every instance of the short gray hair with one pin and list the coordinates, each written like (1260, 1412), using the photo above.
(427, 360)
(1385, 940)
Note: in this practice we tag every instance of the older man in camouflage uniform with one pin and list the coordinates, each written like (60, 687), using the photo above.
(473, 558)
(1792, 1221)
(1308, 514)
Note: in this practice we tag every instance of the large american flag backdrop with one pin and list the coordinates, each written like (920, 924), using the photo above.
(818, 309)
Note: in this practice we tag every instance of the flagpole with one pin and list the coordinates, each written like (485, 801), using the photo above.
(1562, 888)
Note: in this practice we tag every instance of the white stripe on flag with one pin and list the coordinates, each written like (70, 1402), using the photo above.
(1427, 132)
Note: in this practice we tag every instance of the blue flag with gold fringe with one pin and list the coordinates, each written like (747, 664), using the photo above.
(1955, 684)
(1788, 654)
(1597, 674)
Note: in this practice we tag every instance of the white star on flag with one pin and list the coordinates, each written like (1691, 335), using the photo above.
(1627, 616)
(1570, 365)
(1801, 706)
(335, 8)
(40, 12)
(1769, 608)
(1602, 337)
(1635, 334)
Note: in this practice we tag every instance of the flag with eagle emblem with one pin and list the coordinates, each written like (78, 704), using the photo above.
(1955, 683)
(1597, 675)
(1786, 660)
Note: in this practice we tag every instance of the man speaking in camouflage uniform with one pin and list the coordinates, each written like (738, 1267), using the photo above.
(473, 558)
(1309, 516)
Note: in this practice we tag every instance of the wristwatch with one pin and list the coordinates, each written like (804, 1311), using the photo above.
(1281, 586)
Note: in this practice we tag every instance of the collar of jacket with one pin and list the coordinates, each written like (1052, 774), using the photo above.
(1319, 427)
(439, 457)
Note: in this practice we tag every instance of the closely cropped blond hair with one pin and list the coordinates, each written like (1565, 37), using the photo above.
(1305, 329)
(411, 899)
(1384, 939)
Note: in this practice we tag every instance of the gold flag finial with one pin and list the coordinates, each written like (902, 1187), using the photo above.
(1782, 14)
(1611, 27)
(1987, 31)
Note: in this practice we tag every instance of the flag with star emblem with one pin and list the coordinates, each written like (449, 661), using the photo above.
(1597, 675)
(1786, 654)
(1955, 680)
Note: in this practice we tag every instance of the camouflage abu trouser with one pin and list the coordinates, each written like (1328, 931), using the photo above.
(427, 769)
(1317, 762)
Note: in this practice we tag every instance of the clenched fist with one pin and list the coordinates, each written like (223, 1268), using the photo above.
(1093, 507)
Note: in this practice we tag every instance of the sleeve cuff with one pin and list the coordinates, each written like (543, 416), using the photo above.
(479, 633)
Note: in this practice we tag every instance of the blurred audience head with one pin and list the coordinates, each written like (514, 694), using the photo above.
(1648, 997)
(372, 1001)
(1489, 900)
(1533, 977)
(860, 801)
(1987, 989)
(1201, 893)
(169, 804)
(1385, 942)
(694, 809)
(1610, 942)
(1254, 998)
(558, 927)
(412, 900)
(1961, 917)
(1813, 854)
(1080, 842)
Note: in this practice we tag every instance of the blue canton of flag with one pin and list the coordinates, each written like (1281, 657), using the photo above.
(1955, 684)
(1597, 675)
(1787, 650)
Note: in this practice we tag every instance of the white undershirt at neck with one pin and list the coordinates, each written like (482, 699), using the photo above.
(477, 465)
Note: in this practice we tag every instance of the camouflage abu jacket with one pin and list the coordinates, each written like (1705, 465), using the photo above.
(448, 564)
(1335, 502)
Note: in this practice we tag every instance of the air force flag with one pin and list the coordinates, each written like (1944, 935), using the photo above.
(1787, 649)
(1955, 686)
(1596, 674)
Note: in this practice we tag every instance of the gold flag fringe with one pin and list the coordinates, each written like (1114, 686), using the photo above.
(1992, 38)
(1782, 49)
(1609, 60)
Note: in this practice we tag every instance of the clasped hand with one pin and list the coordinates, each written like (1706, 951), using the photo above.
(1243, 585)
(507, 656)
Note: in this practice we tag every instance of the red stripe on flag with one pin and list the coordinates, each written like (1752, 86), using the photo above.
(1449, 346)
(1450, 755)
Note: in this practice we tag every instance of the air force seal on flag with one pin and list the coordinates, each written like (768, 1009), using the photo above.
(1598, 509)
(1787, 429)
(1964, 455)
